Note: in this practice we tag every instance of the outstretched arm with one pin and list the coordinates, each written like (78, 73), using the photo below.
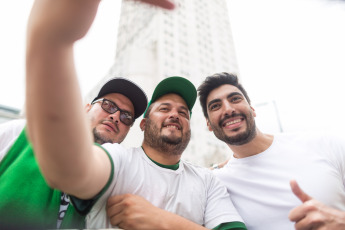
(314, 215)
(57, 125)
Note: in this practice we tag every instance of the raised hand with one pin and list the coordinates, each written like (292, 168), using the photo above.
(132, 212)
(314, 215)
(166, 4)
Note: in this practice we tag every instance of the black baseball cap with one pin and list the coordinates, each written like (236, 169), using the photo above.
(177, 85)
(129, 89)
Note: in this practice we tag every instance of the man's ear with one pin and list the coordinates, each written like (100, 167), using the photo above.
(87, 107)
(142, 124)
(254, 113)
(208, 125)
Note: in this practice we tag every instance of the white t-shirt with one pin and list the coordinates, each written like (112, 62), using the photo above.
(259, 185)
(190, 191)
(9, 132)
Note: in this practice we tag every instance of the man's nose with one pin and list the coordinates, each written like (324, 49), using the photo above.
(228, 109)
(174, 114)
(115, 116)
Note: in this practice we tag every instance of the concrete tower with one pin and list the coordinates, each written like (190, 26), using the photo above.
(193, 41)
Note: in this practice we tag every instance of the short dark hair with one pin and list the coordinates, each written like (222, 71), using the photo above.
(214, 81)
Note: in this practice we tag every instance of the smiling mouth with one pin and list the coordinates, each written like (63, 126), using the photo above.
(232, 122)
(173, 126)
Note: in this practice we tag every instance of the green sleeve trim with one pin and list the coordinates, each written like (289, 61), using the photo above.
(84, 206)
(231, 225)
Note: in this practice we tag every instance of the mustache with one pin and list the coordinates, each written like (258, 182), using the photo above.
(172, 121)
(112, 122)
(227, 116)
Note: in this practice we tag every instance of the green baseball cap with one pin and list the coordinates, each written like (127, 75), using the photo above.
(178, 85)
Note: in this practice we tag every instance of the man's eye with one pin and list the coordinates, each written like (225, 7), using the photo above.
(236, 99)
(163, 109)
(183, 113)
(214, 106)
(128, 116)
(107, 104)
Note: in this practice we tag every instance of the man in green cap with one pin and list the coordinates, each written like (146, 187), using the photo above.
(155, 172)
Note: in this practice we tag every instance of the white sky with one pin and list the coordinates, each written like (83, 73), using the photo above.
(289, 51)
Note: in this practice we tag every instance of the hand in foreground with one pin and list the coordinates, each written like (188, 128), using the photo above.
(314, 215)
(166, 4)
(133, 212)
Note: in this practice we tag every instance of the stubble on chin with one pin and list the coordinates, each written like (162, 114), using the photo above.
(99, 138)
(238, 139)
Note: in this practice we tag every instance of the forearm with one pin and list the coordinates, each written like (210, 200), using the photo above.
(57, 124)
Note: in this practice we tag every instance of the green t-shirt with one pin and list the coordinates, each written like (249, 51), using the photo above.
(26, 201)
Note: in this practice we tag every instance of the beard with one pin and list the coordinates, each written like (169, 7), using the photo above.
(99, 138)
(241, 138)
(102, 137)
(170, 145)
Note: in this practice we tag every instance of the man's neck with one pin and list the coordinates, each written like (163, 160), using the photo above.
(164, 158)
(258, 145)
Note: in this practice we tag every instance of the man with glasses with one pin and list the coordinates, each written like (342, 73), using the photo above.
(118, 94)
(111, 114)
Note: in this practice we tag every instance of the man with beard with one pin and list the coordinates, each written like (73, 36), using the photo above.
(152, 178)
(257, 176)
(24, 201)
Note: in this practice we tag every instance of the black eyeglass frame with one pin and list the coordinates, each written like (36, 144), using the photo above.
(123, 113)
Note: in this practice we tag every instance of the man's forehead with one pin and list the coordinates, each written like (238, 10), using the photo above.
(170, 98)
(222, 91)
(121, 100)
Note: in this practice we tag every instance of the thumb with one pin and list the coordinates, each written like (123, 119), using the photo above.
(299, 192)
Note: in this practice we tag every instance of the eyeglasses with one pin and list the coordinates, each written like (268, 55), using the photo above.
(110, 107)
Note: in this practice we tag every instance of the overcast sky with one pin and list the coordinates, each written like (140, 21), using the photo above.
(291, 52)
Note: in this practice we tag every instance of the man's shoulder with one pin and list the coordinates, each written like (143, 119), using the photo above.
(9, 132)
(198, 170)
(118, 150)
(15, 125)
(309, 137)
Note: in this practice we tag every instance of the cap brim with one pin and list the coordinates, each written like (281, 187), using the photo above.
(177, 85)
(129, 89)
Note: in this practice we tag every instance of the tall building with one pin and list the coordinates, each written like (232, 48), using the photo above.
(193, 41)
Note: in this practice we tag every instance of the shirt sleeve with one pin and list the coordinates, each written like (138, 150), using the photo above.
(219, 208)
(83, 207)
(9, 132)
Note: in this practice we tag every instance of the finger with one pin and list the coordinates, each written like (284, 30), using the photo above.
(115, 199)
(114, 210)
(305, 224)
(297, 214)
(116, 220)
(114, 206)
(114, 213)
(299, 192)
(166, 4)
